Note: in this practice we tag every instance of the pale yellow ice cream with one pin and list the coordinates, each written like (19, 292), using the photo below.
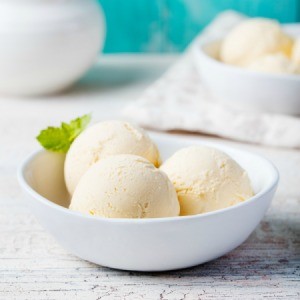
(253, 39)
(275, 63)
(125, 186)
(102, 140)
(296, 52)
(206, 179)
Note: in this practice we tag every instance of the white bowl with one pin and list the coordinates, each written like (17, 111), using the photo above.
(245, 89)
(146, 244)
(47, 45)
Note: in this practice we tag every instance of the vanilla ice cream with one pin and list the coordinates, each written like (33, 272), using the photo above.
(125, 186)
(296, 52)
(206, 179)
(252, 39)
(102, 140)
(275, 63)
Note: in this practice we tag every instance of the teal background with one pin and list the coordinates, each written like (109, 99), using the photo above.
(170, 25)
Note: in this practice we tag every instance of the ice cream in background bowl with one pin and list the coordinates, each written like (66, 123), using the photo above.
(261, 45)
(253, 39)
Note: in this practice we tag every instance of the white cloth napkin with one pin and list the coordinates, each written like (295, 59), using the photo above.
(178, 101)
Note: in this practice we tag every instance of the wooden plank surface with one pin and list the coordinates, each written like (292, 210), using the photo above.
(34, 266)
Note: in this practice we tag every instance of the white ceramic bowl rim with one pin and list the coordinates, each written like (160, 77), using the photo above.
(37, 196)
(200, 50)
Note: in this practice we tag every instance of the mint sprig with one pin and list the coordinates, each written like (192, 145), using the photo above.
(59, 139)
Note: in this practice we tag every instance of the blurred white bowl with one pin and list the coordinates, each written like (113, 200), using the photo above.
(245, 89)
(146, 244)
(47, 45)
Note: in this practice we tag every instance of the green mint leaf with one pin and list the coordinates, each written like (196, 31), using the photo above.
(54, 139)
(59, 139)
(75, 127)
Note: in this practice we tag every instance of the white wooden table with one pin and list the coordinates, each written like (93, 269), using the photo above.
(34, 266)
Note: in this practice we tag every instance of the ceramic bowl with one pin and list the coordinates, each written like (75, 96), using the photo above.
(146, 244)
(47, 45)
(245, 89)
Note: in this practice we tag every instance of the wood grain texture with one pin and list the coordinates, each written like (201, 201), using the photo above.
(34, 266)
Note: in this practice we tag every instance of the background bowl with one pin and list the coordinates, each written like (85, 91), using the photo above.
(47, 45)
(146, 244)
(245, 89)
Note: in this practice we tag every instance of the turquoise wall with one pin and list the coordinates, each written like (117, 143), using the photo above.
(169, 25)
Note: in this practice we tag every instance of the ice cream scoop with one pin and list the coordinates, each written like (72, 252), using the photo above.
(125, 186)
(296, 52)
(102, 140)
(275, 63)
(206, 179)
(252, 39)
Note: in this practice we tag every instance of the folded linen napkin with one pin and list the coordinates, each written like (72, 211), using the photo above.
(178, 101)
